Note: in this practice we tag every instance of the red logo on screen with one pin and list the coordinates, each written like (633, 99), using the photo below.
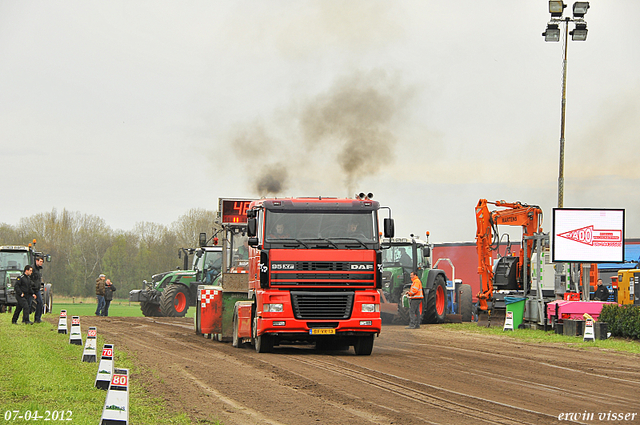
(594, 237)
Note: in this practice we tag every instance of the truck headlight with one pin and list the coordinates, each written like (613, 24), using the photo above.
(370, 308)
(272, 308)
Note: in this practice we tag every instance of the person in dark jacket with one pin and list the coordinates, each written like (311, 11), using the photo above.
(36, 284)
(23, 296)
(602, 293)
(109, 289)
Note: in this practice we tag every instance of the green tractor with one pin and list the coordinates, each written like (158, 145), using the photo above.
(170, 294)
(401, 256)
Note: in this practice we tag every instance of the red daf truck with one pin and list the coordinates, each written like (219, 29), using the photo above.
(315, 267)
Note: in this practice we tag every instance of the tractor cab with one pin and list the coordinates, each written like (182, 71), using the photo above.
(207, 262)
(402, 256)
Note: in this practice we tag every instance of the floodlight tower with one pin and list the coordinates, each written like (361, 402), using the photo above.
(552, 33)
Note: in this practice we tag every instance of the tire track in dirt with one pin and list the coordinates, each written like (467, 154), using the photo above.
(429, 376)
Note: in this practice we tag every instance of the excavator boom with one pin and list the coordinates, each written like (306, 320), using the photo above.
(529, 217)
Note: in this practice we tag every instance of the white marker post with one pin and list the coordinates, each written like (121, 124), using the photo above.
(589, 335)
(508, 322)
(116, 405)
(62, 322)
(89, 353)
(75, 337)
(105, 369)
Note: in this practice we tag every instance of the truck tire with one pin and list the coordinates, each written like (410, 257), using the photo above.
(174, 301)
(465, 302)
(402, 318)
(363, 345)
(235, 341)
(47, 299)
(435, 309)
(150, 310)
(262, 343)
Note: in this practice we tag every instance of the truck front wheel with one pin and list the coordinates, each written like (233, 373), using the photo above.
(264, 342)
(364, 345)
(174, 301)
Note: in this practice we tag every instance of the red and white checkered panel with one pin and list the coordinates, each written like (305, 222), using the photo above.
(206, 296)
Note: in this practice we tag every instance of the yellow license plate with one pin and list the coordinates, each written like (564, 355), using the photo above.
(319, 331)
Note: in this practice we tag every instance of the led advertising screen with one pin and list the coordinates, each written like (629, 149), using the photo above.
(587, 236)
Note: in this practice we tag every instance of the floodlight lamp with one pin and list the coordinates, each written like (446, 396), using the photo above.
(552, 33)
(556, 7)
(579, 33)
(580, 9)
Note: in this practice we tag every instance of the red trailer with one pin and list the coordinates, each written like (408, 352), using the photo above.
(464, 257)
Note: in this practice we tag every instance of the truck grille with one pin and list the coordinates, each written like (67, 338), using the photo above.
(319, 273)
(322, 305)
(323, 276)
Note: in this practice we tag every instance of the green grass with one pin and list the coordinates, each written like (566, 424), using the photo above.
(40, 371)
(118, 308)
(538, 336)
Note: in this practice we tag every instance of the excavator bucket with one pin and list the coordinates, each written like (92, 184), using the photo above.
(492, 318)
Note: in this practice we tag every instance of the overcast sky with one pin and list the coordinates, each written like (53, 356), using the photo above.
(139, 111)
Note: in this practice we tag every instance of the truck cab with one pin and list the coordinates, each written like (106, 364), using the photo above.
(315, 265)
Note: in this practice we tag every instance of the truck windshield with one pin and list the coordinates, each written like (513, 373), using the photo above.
(326, 227)
(13, 260)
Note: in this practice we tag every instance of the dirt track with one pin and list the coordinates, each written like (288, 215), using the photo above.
(431, 375)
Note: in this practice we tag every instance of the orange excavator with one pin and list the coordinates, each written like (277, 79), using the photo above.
(509, 269)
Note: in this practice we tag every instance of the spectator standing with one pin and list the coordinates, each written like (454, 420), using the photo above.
(415, 298)
(100, 282)
(23, 296)
(36, 284)
(109, 289)
(601, 293)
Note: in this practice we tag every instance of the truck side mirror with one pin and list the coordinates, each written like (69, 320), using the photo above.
(202, 239)
(389, 228)
(252, 225)
(427, 252)
(252, 241)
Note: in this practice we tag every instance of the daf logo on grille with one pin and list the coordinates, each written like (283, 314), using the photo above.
(361, 266)
(283, 266)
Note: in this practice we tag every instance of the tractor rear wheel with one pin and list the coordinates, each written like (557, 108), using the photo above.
(150, 310)
(435, 308)
(465, 302)
(174, 301)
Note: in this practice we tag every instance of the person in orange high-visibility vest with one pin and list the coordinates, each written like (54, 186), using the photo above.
(415, 298)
